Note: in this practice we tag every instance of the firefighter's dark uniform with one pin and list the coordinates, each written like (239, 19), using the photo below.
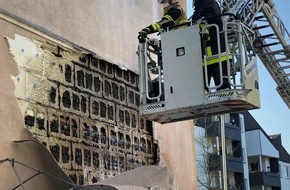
(207, 9)
(173, 15)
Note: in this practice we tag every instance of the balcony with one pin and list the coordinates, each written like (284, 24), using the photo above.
(265, 178)
(234, 164)
(231, 131)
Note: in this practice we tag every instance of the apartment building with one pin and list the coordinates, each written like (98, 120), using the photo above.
(208, 145)
(263, 157)
(254, 160)
(284, 161)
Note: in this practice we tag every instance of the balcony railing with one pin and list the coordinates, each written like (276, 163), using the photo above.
(265, 178)
(234, 164)
(231, 131)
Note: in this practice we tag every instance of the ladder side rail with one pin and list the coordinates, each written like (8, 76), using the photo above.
(238, 54)
(270, 64)
(278, 27)
(279, 78)
(253, 9)
(241, 12)
(281, 34)
(267, 55)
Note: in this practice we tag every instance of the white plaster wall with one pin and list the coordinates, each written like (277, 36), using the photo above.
(285, 182)
(107, 27)
(177, 149)
(258, 144)
(267, 147)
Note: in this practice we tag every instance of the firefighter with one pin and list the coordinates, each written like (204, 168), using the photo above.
(173, 15)
(209, 9)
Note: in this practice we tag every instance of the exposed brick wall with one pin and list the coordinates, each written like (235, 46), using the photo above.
(85, 111)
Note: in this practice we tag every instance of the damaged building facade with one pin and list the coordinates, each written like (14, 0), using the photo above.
(84, 111)
(69, 97)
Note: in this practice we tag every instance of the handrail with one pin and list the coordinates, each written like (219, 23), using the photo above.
(206, 27)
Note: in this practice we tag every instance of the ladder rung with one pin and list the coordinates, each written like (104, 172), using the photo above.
(261, 27)
(271, 44)
(280, 60)
(259, 17)
(283, 75)
(284, 67)
(284, 89)
(274, 52)
(267, 35)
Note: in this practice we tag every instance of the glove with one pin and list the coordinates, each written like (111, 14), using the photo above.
(143, 33)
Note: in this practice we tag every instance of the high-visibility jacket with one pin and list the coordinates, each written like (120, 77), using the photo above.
(209, 46)
(206, 9)
(173, 15)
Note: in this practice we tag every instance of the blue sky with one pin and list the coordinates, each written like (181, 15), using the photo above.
(274, 115)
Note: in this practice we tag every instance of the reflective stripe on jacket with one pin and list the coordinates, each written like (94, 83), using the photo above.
(208, 47)
(173, 15)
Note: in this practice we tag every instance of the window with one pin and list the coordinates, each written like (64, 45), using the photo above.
(287, 174)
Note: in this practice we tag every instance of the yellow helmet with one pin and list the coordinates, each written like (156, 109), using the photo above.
(166, 3)
(162, 1)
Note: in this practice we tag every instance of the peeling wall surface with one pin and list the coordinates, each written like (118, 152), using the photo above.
(21, 157)
(84, 110)
(107, 27)
(81, 107)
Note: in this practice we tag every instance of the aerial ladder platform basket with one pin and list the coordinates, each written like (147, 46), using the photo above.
(171, 82)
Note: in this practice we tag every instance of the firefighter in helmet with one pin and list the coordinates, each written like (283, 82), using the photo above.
(173, 15)
(210, 11)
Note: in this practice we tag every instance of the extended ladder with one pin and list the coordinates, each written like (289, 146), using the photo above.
(272, 45)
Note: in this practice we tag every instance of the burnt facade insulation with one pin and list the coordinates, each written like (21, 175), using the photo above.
(83, 109)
